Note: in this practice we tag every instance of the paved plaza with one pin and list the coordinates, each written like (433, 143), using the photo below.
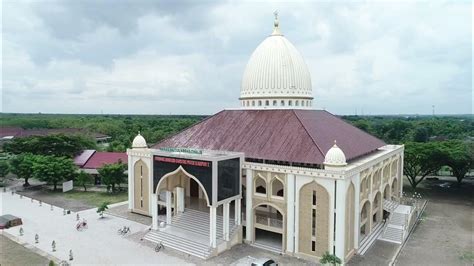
(99, 244)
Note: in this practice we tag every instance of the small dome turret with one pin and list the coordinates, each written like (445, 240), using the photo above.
(335, 157)
(139, 142)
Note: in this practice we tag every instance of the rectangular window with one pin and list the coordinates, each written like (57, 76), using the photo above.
(141, 203)
(314, 198)
(313, 246)
(141, 170)
(313, 223)
(141, 187)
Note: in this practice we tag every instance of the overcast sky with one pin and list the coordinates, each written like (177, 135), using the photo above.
(188, 57)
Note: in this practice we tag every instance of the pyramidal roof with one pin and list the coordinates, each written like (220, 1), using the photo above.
(298, 136)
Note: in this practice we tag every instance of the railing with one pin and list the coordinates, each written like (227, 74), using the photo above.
(268, 221)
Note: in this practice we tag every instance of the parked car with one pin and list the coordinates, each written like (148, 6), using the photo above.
(8, 220)
(264, 262)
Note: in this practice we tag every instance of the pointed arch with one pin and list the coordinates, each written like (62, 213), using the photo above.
(181, 169)
(277, 187)
(260, 185)
(314, 212)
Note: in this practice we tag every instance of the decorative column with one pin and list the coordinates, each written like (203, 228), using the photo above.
(340, 223)
(225, 219)
(238, 212)
(154, 211)
(168, 207)
(131, 172)
(180, 199)
(290, 221)
(248, 211)
(212, 227)
(356, 210)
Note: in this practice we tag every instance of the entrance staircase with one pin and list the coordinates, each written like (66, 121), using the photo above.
(189, 233)
(397, 226)
(198, 222)
(390, 205)
(178, 243)
(368, 240)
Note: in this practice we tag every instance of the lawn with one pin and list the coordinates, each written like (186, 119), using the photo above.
(95, 198)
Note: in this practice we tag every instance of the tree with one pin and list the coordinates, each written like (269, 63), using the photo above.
(22, 166)
(113, 174)
(102, 208)
(83, 179)
(53, 169)
(421, 134)
(421, 160)
(4, 168)
(56, 145)
(459, 157)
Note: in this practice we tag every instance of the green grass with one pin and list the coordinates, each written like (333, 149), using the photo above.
(467, 256)
(94, 198)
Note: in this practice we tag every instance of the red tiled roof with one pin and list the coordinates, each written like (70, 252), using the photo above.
(81, 159)
(98, 159)
(299, 136)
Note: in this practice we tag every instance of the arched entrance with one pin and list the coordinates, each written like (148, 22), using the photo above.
(365, 220)
(269, 224)
(377, 208)
(386, 193)
(186, 191)
(395, 188)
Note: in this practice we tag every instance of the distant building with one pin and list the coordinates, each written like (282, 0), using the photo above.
(269, 174)
(91, 160)
(9, 133)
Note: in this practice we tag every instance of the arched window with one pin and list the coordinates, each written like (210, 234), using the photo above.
(297, 103)
(253, 103)
(267, 103)
(259, 103)
(277, 188)
(290, 103)
(260, 186)
(282, 103)
(274, 103)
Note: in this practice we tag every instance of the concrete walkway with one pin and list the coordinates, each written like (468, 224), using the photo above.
(99, 244)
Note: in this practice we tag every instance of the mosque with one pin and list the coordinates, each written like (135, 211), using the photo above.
(274, 173)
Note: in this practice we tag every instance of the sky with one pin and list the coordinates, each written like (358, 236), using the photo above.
(188, 57)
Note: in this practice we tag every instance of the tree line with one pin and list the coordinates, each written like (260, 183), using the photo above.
(431, 142)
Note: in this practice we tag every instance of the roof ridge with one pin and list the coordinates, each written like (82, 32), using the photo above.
(306, 130)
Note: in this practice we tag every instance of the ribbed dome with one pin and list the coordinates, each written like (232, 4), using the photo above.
(335, 156)
(276, 72)
(139, 142)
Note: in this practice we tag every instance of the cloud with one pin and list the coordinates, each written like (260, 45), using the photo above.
(188, 56)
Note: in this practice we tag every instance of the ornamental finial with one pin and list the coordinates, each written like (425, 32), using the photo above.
(276, 24)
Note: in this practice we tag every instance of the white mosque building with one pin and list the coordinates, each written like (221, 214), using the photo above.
(274, 173)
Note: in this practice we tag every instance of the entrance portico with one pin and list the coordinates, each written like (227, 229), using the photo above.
(197, 197)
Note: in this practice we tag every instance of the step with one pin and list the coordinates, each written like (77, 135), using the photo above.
(266, 247)
(180, 244)
(367, 242)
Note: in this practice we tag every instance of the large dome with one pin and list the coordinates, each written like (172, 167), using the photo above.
(276, 76)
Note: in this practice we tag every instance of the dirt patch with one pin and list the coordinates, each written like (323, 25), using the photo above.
(444, 236)
(12, 253)
(40, 193)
